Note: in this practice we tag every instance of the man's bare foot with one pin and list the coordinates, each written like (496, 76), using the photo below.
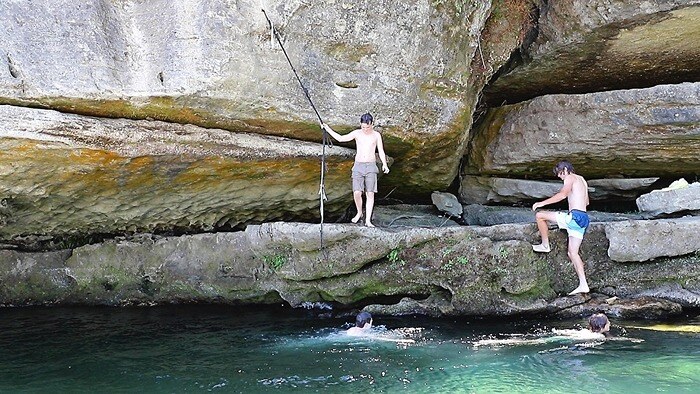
(356, 218)
(368, 224)
(542, 248)
(580, 289)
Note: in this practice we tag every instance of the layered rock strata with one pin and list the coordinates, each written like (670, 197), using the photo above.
(623, 134)
(599, 45)
(68, 179)
(449, 271)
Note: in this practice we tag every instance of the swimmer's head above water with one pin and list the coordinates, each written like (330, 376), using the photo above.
(363, 324)
(363, 319)
(599, 323)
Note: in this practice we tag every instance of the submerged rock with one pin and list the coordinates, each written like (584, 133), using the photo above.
(642, 307)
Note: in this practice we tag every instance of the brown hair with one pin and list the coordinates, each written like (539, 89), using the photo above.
(563, 165)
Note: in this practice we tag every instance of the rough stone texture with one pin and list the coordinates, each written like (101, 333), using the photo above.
(626, 133)
(482, 215)
(214, 64)
(404, 215)
(671, 201)
(488, 190)
(600, 45)
(66, 176)
(444, 271)
(642, 240)
(447, 202)
(643, 307)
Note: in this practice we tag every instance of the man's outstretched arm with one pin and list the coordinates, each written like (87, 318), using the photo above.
(338, 137)
(562, 194)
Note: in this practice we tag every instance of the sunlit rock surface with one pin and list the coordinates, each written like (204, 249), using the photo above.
(589, 46)
(642, 240)
(69, 177)
(623, 133)
(214, 64)
(660, 202)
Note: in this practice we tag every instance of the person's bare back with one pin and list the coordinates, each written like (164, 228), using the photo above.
(578, 196)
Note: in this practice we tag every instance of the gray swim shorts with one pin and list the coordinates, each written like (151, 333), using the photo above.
(364, 177)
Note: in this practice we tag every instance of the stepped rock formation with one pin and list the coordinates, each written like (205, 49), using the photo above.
(459, 270)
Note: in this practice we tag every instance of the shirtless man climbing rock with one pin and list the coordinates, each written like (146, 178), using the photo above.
(575, 221)
(364, 172)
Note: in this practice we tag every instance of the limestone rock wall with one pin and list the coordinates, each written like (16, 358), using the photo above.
(70, 179)
(599, 45)
(624, 133)
(213, 64)
(460, 270)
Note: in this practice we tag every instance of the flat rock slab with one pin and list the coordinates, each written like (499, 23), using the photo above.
(661, 202)
(482, 215)
(485, 190)
(643, 240)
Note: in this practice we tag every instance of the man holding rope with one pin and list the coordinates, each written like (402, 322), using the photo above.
(364, 172)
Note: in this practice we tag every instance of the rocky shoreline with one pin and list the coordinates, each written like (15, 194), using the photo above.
(437, 269)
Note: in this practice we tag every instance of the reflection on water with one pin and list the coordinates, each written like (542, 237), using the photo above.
(196, 348)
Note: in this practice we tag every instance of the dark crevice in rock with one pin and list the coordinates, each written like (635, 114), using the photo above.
(12, 68)
(388, 299)
(517, 58)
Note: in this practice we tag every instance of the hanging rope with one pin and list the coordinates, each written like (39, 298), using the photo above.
(326, 140)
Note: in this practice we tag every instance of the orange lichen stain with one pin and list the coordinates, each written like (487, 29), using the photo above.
(258, 173)
(95, 157)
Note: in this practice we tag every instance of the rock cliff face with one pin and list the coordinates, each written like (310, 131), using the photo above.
(624, 133)
(213, 64)
(119, 119)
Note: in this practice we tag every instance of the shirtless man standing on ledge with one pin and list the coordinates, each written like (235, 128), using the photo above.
(364, 172)
(575, 221)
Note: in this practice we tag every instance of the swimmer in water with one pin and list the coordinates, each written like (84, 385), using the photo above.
(599, 323)
(363, 324)
(598, 330)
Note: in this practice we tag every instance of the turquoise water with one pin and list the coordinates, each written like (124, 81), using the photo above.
(224, 349)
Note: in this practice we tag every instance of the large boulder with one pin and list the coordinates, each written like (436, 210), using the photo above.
(642, 240)
(624, 133)
(659, 202)
(215, 64)
(589, 46)
(69, 179)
